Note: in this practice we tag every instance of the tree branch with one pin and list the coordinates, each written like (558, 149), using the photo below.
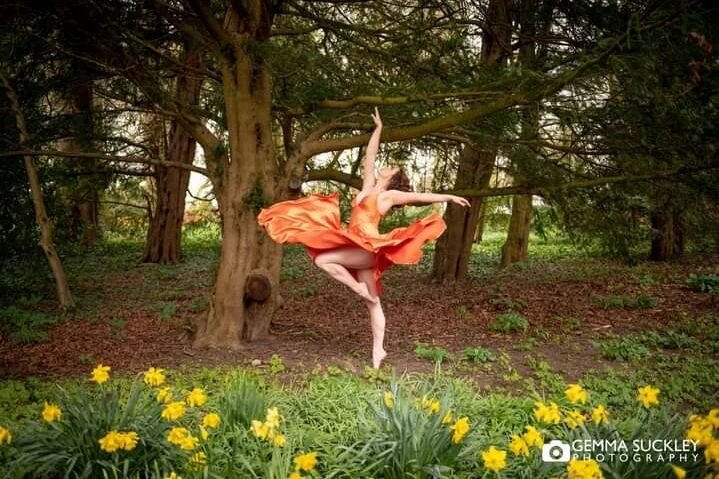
(102, 156)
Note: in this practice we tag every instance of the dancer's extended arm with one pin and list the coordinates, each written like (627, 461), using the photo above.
(368, 178)
(403, 198)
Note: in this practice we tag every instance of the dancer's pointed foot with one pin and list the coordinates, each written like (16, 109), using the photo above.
(377, 357)
(362, 290)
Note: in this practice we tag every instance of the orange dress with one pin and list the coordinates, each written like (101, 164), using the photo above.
(314, 221)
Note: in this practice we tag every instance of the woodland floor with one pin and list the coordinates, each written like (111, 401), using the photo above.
(132, 316)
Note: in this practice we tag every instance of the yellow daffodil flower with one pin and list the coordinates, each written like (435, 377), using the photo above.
(260, 429)
(574, 419)
(174, 411)
(533, 437)
(5, 436)
(648, 396)
(198, 460)
(600, 415)
(711, 452)
(306, 462)
(584, 469)
(211, 420)
(51, 412)
(272, 418)
(576, 394)
(164, 395)
(197, 397)
(548, 414)
(459, 429)
(494, 459)
(100, 374)
(279, 440)
(154, 377)
(389, 399)
(447, 417)
(679, 473)
(519, 446)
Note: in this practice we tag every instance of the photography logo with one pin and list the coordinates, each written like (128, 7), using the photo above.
(556, 451)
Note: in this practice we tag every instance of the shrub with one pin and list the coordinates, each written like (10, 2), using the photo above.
(623, 349)
(435, 354)
(407, 437)
(708, 283)
(509, 323)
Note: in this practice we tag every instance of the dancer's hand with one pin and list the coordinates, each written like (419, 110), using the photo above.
(458, 200)
(376, 118)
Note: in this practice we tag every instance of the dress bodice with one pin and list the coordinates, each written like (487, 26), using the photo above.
(365, 217)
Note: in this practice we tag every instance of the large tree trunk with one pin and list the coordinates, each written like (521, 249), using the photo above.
(516, 244)
(454, 247)
(246, 288)
(165, 234)
(515, 247)
(46, 242)
(669, 240)
(84, 195)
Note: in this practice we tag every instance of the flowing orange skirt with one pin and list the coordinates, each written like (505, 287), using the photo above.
(314, 221)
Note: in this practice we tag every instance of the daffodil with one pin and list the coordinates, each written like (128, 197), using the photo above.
(494, 459)
(600, 415)
(389, 399)
(5, 436)
(306, 461)
(711, 452)
(447, 417)
(648, 396)
(700, 430)
(173, 411)
(679, 472)
(100, 374)
(533, 437)
(176, 435)
(211, 420)
(713, 417)
(574, 419)
(164, 395)
(198, 460)
(259, 429)
(154, 377)
(272, 418)
(584, 469)
(279, 440)
(295, 475)
(430, 404)
(173, 475)
(576, 394)
(548, 414)
(113, 441)
(459, 429)
(197, 397)
(518, 446)
(51, 412)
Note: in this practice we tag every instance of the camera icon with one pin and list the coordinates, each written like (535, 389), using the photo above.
(555, 451)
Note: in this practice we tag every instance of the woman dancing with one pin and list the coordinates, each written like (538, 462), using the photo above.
(357, 256)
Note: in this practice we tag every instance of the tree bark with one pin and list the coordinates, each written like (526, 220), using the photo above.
(516, 244)
(83, 194)
(165, 233)
(669, 239)
(454, 247)
(46, 243)
(245, 183)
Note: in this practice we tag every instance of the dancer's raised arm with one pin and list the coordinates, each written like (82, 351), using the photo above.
(368, 177)
(403, 198)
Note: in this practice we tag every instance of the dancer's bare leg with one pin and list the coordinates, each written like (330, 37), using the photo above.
(337, 262)
(377, 319)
